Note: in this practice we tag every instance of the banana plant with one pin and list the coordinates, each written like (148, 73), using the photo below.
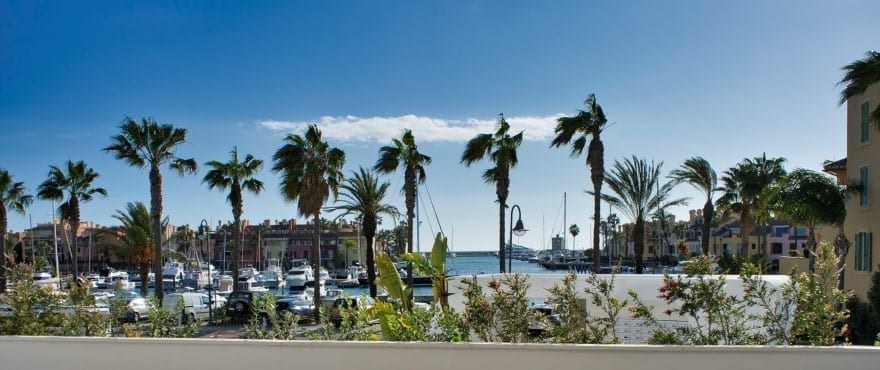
(435, 268)
(390, 280)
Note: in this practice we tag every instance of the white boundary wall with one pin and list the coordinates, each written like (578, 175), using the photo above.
(40, 353)
(629, 330)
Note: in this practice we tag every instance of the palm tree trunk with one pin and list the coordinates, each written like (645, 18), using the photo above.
(156, 215)
(3, 225)
(639, 244)
(370, 234)
(74, 225)
(317, 251)
(596, 220)
(708, 215)
(502, 191)
(502, 204)
(409, 178)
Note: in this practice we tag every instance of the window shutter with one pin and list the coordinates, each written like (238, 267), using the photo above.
(869, 246)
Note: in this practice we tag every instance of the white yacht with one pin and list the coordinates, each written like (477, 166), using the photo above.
(273, 276)
(298, 277)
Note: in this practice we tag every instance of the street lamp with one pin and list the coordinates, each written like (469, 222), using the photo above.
(519, 230)
(204, 228)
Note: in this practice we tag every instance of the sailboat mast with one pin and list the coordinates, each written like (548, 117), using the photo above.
(564, 220)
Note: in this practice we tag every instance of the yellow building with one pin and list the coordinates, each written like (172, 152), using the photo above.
(862, 163)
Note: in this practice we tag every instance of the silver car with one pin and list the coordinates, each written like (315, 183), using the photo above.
(136, 309)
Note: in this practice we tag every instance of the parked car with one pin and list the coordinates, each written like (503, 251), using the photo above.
(135, 309)
(240, 303)
(195, 305)
(350, 305)
(296, 306)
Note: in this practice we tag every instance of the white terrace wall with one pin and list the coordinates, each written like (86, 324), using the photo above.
(630, 331)
(40, 353)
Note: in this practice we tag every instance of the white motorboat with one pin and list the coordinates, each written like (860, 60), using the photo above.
(298, 277)
(273, 276)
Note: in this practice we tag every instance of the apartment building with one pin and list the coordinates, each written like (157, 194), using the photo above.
(862, 163)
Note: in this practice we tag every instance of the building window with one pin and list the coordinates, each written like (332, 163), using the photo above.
(864, 176)
(792, 246)
(865, 123)
(776, 248)
(864, 244)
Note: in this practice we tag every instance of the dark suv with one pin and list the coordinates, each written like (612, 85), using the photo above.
(240, 303)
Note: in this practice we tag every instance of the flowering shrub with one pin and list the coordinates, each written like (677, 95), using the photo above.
(504, 318)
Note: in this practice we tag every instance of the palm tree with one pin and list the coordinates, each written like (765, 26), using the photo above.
(808, 198)
(590, 122)
(149, 144)
(310, 171)
(77, 183)
(574, 230)
(698, 173)
(405, 153)
(362, 196)
(500, 148)
(637, 189)
(14, 197)
(859, 75)
(136, 238)
(236, 176)
(742, 188)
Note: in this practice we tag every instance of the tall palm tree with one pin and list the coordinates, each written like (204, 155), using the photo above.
(500, 148)
(638, 193)
(153, 145)
(742, 189)
(14, 197)
(574, 230)
(311, 171)
(697, 172)
(237, 176)
(136, 238)
(590, 122)
(76, 182)
(859, 75)
(362, 195)
(405, 153)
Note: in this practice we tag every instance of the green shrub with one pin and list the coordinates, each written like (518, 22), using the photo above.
(165, 323)
(506, 317)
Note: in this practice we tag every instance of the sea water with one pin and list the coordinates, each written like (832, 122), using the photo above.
(465, 266)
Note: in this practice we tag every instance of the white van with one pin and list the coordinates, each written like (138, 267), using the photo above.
(195, 305)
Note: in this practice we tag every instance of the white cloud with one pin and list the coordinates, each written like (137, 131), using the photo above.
(425, 129)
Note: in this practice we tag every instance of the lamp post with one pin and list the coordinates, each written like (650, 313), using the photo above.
(519, 230)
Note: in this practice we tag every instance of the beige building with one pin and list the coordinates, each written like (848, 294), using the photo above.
(862, 163)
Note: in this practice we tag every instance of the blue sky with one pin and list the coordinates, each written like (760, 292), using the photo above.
(678, 79)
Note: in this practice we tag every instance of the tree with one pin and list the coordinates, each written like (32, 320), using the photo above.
(742, 189)
(590, 122)
(808, 198)
(634, 183)
(13, 197)
(236, 176)
(149, 144)
(311, 171)
(405, 153)
(76, 182)
(859, 75)
(136, 238)
(500, 148)
(362, 196)
(574, 230)
(697, 172)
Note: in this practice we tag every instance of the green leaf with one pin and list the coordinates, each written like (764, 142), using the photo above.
(390, 280)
